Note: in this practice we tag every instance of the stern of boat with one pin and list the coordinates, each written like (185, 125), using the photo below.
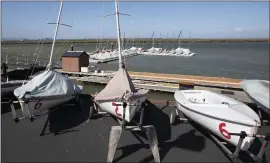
(117, 109)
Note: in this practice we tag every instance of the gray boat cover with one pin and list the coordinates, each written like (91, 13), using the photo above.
(120, 88)
(48, 85)
(258, 90)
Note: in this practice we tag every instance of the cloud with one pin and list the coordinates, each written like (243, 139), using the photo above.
(217, 30)
(239, 29)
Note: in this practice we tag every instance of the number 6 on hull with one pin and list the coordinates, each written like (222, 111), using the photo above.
(32, 108)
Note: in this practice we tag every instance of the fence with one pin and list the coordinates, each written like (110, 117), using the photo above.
(17, 60)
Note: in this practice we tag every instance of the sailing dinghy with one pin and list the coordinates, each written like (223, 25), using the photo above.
(258, 91)
(219, 114)
(46, 90)
(120, 89)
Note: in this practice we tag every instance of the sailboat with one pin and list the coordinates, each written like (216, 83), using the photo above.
(258, 91)
(178, 51)
(120, 89)
(46, 90)
(219, 114)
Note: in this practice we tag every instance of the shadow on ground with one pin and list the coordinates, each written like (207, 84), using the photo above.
(156, 117)
(65, 118)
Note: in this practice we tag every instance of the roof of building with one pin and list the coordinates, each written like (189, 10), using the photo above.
(73, 53)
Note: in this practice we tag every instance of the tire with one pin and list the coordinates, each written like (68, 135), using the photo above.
(91, 111)
(79, 102)
(172, 117)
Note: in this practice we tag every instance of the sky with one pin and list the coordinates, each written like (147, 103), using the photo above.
(203, 19)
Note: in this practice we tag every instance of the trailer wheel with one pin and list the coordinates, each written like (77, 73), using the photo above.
(32, 119)
(16, 120)
(172, 117)
(91, 111)
(79, 102)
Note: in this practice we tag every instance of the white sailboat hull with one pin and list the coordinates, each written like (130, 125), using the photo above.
(117, 111)
(258, 91)
(38, 107)
(219, 118)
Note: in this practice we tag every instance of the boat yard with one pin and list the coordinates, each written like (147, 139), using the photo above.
(81, 140)
(69, 109)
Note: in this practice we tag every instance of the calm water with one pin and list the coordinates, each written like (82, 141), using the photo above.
(234, 60)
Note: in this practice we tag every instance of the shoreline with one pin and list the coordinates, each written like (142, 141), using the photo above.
(139, 41)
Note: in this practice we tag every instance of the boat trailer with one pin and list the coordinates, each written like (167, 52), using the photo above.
(116, 131)
(242, 135)
(26, 113)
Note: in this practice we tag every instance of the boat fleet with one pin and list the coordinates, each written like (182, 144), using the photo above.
(101, 56)
(229, 119)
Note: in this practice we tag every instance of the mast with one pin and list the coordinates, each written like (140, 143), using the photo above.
(55, 34)
(160, 43)
(153, 39)
(118, 34)
(178, 38)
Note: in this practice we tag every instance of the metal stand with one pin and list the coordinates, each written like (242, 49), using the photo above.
(116, 132)
(175, 114)
(264, 122)
(25, 111)
(232, 155)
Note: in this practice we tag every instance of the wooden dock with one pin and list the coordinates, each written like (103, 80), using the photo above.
(169, 82)
(169, 78)
(196, 80)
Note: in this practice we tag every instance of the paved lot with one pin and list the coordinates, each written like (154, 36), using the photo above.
(69, 137)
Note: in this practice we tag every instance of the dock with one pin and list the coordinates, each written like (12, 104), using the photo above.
(169, 82)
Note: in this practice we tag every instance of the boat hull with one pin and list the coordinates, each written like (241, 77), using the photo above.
(38, 107)
(221, 128)
(117, 111)
(260, 105)
(258, 93)
(219, 114)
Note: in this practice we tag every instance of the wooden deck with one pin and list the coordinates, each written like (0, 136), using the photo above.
(171, 78)
(201, 80)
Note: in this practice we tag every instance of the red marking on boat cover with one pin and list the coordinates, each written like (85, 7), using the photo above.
(116, 109)
(38, 104)
(223, 131)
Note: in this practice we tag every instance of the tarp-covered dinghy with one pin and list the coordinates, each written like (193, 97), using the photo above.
(121, 89)
(219, 114)
(258, 91)
(46, 91)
